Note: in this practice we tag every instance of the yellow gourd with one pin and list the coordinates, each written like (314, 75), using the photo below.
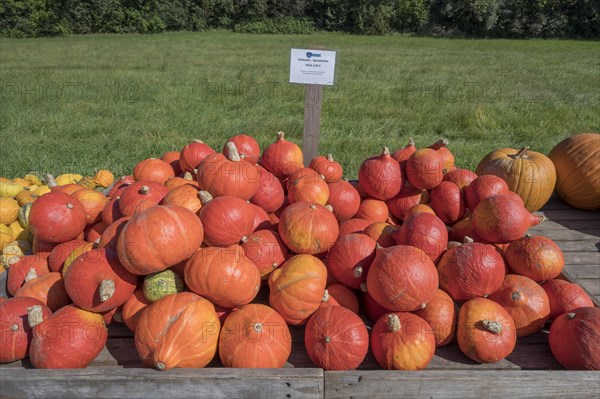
(33, 179)
(6, 236)
(68, 178)
(104, 178)
(21, 182)
(10, 190)
(88, 182)
(25, 197)
(9, 210)
(41, 190)
(12, 249)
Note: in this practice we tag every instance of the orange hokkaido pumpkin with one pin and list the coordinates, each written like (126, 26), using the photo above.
(229, 175)
(226, 220)
(297, 288)
(247, 147)
(486, 333)
(308, 228)
(441, 146)
(350, 258)
(382, 233)
(538, 258)
(336, 338)
(282, 158)
(93, 203)
(25, 269)
(60, 253)
(528, 173)
(159, 237)
(172, 158)
(339, 295)
(48, 289)
(424, 169)
(575, 339)
(192, 154)
(266, 250)
(442, 315)
(68, 339)
(577, 170)
(225, 276)
(178, 331)
(186, 196)
(57, 217)
(402, 341)
(269, 195)
(254, 336)
(132, 309)
(327, 167)
(110, 236)
(344, 199)
(153, 169)
(373, 209)
(380, 176)
(149, 191)
(565, 297)
(307, 185)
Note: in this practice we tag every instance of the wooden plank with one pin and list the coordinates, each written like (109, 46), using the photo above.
(584, 271)
(569, 214)
(312, 122)
(591, 285)
(210, 383)
(579, 246)
(462, 384)
(588, 224)
(566, 235)
(582, 258)
(555, 203)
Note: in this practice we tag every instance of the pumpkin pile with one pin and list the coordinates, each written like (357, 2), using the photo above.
(178, 251)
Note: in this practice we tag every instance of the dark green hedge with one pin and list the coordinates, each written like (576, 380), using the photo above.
(464, 18)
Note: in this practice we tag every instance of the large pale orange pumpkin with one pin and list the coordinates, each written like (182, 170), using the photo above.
(578, 170)
(528, 173)
(178, 331)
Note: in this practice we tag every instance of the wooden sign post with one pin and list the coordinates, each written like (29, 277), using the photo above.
(314, 68)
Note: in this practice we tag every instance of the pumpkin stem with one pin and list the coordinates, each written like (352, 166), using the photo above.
(329, 208)
(31, 274)
(393, 322)
(528, 235)
(327, 339)
(160, 366)
(521, 154)
(442, 143)
(313, 206)
(107, 290)
(34, 315)
(325, 296)
(280, 135)
(330, 157)
(492, 326)
(198, 141)
(232, 152)
(15, 327)
(468, 240)
(516, 296)
(541, 218)
(571, 315)
(357, 272)
(274, 265)
(144, 190)
(258, 327)
(70, 206)
(363, 287)
(453, 244)
(188, 176)
(204, 196)
(411, 142)
(386, 151)
(51, 181)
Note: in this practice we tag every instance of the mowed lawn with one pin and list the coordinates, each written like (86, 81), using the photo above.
(80, 103)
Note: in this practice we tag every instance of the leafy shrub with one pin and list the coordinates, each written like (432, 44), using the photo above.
(282, 26)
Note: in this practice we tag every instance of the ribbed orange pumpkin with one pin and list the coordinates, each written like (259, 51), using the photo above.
(69, 339)
(110, 236)
(525, 301)
(178, 331)
(578, 170)
(132, 309)
(402, 341)
(226, 220)
(27, 268)
(186, 196)
(380, 176)
(486, 332)
(229, 175)
(96, 281)
(149, 191)
(307, 185)
(48, 289)
(538, 258)
(402, 278)
(327, 167)
(225, 276)
(15, 330)
(575, 339)
(56, 217)
(528, 173)
(159, 237)
(186, 180)
(254, 336)
(93, 203)
(442, 315)
(373, 209)
(270, 194)
(282, 157)
(336, 338)
(247, 147)
(344, 199)
(308, 228)
(382, 233)
(192, 154)
(266, 250)
(297, 287)
(153, 169)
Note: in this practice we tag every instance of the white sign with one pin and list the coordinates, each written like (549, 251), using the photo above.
(312, 66)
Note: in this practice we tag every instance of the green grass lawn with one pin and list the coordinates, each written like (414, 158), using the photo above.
(106, 101)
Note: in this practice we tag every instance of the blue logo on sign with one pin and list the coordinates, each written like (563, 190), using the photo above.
(309, 54)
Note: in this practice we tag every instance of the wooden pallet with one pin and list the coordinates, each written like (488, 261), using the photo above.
(530, 371)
